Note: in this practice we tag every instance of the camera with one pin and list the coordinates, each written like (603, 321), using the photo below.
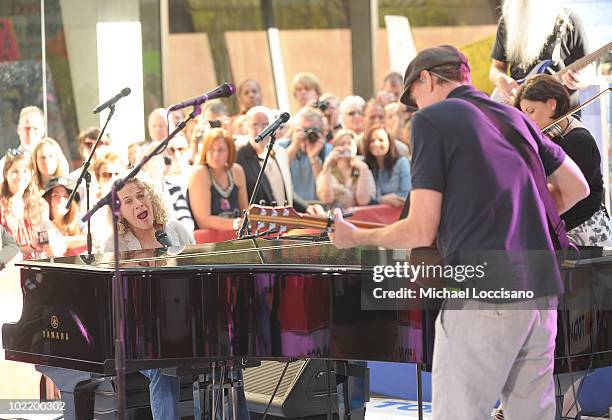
(322, 105)
(312, 134)
(43, 237)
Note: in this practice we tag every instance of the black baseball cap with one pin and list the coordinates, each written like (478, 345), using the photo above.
(425, 60)
(60, 182)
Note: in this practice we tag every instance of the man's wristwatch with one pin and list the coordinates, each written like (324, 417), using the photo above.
(316, 160)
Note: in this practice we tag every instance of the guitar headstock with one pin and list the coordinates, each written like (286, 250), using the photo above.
(281, 218)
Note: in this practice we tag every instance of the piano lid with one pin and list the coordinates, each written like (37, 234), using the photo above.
(235, 255)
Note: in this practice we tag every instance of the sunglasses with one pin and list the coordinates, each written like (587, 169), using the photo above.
(14, 152)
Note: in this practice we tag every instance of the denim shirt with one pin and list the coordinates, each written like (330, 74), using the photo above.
(396, 180)
(304, 181)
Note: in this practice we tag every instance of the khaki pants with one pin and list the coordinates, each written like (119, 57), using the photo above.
(486, 350)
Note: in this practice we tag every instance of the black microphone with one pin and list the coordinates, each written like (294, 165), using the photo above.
(162, 238)
(283, 118)
(125, 92)
(221, 91)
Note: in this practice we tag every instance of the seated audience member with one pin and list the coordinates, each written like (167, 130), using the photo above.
(30, 129)
(276, 186)
(134, 151)
(66, 221)
(49, 162)
(391, 171)
(217, 192)
(391, 90)
(171, 193)
(180, 168)
(8, 248)
(374, 114)
(351, 114)
(544, 100)
(23, 212)
(346, 180)
(307, 149)
(248, 95)
(306, 88)
(157, 124)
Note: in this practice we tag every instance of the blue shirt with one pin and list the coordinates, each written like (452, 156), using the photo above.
(304, 181)
(396, 180)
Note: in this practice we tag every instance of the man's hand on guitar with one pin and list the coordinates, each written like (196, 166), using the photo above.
(508, 87)
(343, 233)
(572, 80)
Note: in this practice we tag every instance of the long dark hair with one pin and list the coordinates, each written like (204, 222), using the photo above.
(391, 156)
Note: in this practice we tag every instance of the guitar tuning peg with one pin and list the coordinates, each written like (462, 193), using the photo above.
(273, 203)
(262, 202)
(286, 204)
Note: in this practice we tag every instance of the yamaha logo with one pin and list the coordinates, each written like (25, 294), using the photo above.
(54, 322)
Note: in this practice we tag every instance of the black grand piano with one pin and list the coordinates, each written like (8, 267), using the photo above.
(254, 300)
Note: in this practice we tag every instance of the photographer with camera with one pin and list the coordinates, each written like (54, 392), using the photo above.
(345, 180)
(328, 104)
(307, 149)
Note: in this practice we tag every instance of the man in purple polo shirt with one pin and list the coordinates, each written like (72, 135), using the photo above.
(474, 193)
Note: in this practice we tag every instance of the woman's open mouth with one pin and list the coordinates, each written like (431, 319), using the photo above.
(142, 215)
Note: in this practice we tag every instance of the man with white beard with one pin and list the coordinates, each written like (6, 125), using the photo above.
(530, 31)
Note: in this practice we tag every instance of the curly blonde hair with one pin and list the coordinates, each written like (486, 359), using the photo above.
(160, 212)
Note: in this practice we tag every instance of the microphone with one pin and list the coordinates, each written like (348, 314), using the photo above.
(222, 91)
(162, 238)
(125, 92)
(283, 118)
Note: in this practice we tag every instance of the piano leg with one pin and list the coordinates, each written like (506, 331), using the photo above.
(77, 390)
(352, 384)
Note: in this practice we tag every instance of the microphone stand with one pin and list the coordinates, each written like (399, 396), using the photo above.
(244, 227)
(87, 175)
(117, 286)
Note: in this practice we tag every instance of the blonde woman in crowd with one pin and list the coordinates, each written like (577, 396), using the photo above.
(49, 162)
(345, 180)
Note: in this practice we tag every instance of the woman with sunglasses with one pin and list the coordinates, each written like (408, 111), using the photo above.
(351, 114)
(23, 213)
(49, 162)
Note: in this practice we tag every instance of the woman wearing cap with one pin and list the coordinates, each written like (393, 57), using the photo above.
(23, 213)
(49, 162)
(345, 180)
(142, 216)
(66, 221)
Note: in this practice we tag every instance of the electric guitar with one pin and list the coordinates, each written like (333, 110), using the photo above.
(545, 66)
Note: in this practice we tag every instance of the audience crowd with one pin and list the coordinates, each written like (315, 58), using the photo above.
(334, 152)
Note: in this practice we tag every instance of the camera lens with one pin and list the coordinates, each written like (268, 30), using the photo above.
(312, 135)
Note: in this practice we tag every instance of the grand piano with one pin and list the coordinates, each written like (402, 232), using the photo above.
(255, 300)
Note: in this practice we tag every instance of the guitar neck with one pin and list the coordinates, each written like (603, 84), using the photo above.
(305, 221)
(586, 60)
